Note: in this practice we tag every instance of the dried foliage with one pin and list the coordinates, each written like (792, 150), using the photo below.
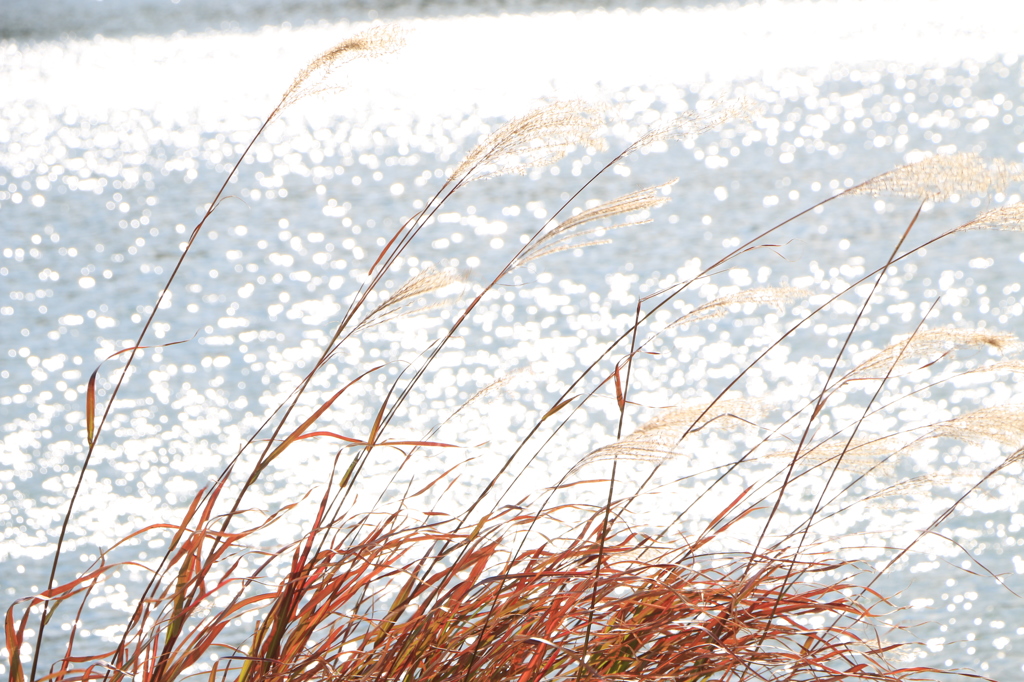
(464, 608)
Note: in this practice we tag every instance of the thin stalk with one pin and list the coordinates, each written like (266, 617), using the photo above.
(121, 379)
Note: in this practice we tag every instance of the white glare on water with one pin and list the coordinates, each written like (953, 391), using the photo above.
(108, 147)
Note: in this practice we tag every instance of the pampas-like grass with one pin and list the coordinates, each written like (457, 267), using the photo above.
(319, 75)
(661, 437)
(776, 297)
(1009, 217)
(539, 138)
(930, 345)
(937, 178)
(562, 236)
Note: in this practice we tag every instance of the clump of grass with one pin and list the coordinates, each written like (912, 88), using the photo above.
(562, 584)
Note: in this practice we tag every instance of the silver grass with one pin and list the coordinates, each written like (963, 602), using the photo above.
(923, 485)
(865, 455)
(539, 138)
(559, 237)
(564, 245)
(937, 178)
(1013, 366)
(776, 297)
(1009, 217)
(931, 344)
(497, 385)
(1004, 172)
(399, 302)
(696, 123)
(1003, 424)
(317, 76)
(659, 439)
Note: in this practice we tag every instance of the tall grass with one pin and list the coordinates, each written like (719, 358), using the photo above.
(571, 581)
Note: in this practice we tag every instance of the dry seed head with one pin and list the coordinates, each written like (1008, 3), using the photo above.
(693, 124)
(865, 455)
(1014, 366)
(316, 76)
(937, 178)
(640, 200)
(921, 485)
(563, 245)
(930, 344)
(1003, 424)
(539, 138)
(557, 239)
(398, 303)
(1009, 217)
(777, 297)
(427, 281)
(497, 385)
(1004, 172)
(658, 439)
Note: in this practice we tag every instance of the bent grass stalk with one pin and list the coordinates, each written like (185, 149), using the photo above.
(547, 587)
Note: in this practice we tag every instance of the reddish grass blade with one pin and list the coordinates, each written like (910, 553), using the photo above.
(267, 459)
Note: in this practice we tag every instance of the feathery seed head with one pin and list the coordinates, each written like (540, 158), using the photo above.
(696, 123)
(561, 236)
(658, 439)
(1010, 217)
(864, 455)
(921, 485)
(315, 78)
(1002, 423)
(539, 138)
(777, 297)
(931, 343)
(1014, 366)
(399, 303)
(937, 178)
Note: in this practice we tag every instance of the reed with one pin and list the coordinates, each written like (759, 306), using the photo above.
(573, 581)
